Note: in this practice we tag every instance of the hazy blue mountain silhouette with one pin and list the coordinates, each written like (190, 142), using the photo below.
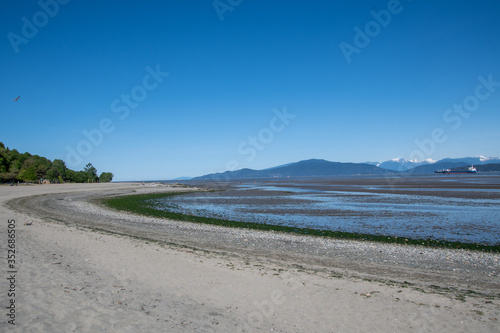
(323, 168)
(307, 168)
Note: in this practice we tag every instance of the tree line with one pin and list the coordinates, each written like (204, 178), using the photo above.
(15, 167)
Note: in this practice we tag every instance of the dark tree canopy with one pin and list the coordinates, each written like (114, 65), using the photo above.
(91, 173)
(25, 167)
(106, 177)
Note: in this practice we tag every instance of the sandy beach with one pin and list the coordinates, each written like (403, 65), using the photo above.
(82, 268)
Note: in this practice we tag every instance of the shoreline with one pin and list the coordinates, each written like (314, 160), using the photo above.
(133, 204)
(476, 270)
(365, 275)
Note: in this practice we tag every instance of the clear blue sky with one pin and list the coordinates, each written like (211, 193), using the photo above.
(86, 66)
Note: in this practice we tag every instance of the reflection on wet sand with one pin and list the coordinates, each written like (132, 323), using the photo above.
(461, 208)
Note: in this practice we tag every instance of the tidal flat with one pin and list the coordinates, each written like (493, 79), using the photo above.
(442, 208)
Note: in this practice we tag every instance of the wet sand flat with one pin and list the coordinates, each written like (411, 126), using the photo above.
(442, 208)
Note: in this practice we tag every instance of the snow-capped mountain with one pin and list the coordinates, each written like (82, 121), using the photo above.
(473, 160)
(401, 164)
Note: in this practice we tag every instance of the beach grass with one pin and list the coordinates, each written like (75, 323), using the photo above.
(140, 204)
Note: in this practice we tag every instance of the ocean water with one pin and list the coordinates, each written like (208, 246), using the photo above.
(454, 214)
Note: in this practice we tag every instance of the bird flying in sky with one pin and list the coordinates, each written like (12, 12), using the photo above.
(15, 100)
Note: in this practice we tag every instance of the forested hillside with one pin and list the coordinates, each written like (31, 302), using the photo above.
(15, 167)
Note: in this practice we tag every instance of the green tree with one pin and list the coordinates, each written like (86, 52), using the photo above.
(81, 177)
(4, 165)
(9, 177)
(24, 157)
(106, 177)
(60, 166)
(70, 176)
(52, 174)
(76, 176)
(57, 170)
(91, 173)
(15, 166)
(28, 174)
(41, 171)
(14, 161)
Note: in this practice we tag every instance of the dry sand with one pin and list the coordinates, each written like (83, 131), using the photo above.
(71, 278)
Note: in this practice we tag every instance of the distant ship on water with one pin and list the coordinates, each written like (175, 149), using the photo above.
(470, 169)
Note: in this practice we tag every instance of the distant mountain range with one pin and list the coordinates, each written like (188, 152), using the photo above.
(401, 164)
(323, 168)
(308, 168)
